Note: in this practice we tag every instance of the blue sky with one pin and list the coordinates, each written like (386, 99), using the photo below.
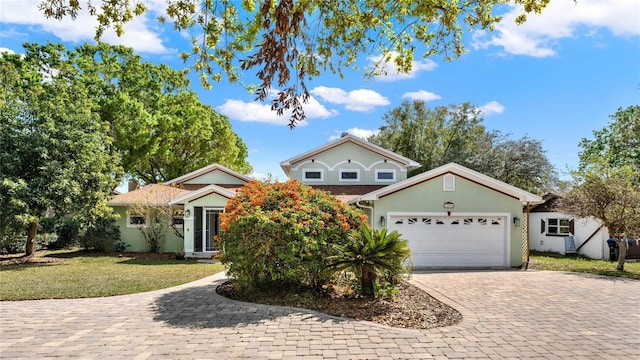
(556, 78)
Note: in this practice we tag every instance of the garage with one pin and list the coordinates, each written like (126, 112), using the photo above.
(454, 241)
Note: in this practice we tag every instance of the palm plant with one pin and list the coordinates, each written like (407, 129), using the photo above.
(371, 253)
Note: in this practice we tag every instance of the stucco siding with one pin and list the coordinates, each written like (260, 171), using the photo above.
(215, 177)
(468, 198)
(347, 156)
(132, 236)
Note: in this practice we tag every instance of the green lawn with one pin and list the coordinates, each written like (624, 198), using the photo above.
(82, 274)
(558, 262)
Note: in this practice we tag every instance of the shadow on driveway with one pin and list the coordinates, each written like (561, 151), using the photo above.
(201, 307)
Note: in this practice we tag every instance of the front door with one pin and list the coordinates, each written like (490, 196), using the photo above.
(206, 227)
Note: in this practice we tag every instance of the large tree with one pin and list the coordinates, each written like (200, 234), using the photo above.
(618, 144)
(290, 41)
(159, 127)
(53, 149)
(607, 183)
(434, 137)
(610, 195)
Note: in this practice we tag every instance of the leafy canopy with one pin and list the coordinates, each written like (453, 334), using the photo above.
(618, 144)
(53, 148)
(288, 42)
(455, 133)
(157, 126)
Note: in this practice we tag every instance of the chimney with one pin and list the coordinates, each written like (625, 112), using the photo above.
(344, 134)
(133, 185)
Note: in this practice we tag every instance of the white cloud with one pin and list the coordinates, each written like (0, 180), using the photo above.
(357, 132)
(561, 19)
(6, 50)
(392, 73)
(138, 35)
(491, 108)
(259, 112)
(421, 95)
(361, 100)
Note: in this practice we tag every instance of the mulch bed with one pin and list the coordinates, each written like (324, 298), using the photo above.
(410, 308)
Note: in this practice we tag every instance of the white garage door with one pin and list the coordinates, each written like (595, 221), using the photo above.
(454, 241)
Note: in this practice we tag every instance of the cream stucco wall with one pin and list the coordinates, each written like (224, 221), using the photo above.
(348, 156)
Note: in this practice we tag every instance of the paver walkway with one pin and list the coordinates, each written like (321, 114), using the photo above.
(507, 314)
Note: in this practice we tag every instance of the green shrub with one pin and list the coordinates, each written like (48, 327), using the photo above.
(283, 233)
(12, 243)
(104, 236)
(374, 256)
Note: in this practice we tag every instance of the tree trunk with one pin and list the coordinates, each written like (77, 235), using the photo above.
(366, 281)
(622, 253)
(31, 238)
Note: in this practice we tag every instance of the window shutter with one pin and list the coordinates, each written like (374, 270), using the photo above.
(572, 227)
(542, 226)
(197, 233)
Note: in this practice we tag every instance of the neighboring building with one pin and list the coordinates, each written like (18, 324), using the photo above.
(549, 228)
(197, 199)
(452, 216)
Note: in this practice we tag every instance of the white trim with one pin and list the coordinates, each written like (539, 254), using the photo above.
(304, 175)
(399, 166)
(547, 224)
(341, 171)
(286, 165)
(348, 162)
(313, 161)
(205, 170)
(521, 195)
(393, 171)
(203, 192)
(130, 225)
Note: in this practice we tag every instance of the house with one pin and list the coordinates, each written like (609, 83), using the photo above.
(549, 228)
(196, 199)
(452, 216)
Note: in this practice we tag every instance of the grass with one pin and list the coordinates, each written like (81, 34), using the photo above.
(559, 262)
(75, 274)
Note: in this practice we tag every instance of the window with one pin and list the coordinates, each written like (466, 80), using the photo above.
(349, 175)
(135, 220)
(448, 183)
(558, 226)
(313, 174)
(385, 175)
(177, 218)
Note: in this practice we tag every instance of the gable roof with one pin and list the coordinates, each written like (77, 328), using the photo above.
(410, 164)
(453, 168)
(153, 194)
(196, 194)
(205, 170)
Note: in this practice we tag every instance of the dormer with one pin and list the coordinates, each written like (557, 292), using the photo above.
(348, 161)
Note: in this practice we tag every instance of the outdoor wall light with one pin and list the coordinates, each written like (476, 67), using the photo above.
(187, 213)
(382, 220)
(516, 221)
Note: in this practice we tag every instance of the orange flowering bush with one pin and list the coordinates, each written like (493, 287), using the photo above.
(283, 232)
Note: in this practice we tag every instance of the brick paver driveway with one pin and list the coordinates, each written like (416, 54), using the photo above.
(507, 314)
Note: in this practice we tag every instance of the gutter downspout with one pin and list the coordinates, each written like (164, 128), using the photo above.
(526, 266)
(367, 207)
